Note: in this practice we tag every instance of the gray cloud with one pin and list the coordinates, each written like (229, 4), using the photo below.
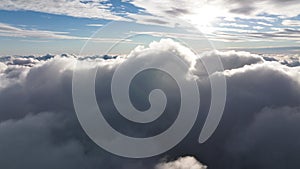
(243, 10)
(272, 137)
(234, 60)
(177, 11)
(292, 34)
(157, 21)
(38, 125)
(30, 143)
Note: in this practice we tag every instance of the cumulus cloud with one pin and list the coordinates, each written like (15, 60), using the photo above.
(233, 59)
(182, 163)
(38, 125)
(289, 60)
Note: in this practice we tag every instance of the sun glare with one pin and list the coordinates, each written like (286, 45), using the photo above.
(203, 18)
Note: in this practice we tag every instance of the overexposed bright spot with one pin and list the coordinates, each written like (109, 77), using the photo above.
(203, 18)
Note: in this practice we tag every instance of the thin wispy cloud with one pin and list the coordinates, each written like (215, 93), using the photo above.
(11, 31)
(95, 25)
(229, 18)
(291, 23)
(74, 8)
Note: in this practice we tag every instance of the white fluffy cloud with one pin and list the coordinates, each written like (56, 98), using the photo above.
(182, 163)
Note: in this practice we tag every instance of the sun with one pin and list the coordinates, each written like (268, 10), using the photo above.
(203, 18)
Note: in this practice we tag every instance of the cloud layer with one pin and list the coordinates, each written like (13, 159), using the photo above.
(11, 31)
(39, 128)
(75, 8)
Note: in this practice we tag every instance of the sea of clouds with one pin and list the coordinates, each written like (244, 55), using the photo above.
(259, 128)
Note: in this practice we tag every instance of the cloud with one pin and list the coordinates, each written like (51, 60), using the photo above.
(39, 127)
(291, 23)
(246, 35)
(264, 24)
(233, 59)
(233, 25)
(95, 25)
(205, 14)
(11, 31)
(201, 14)
(33, 144)
(166, 9)
(272, 135)
(258, 27)
(283, 34)
(182, 163)
(7, 30)
(75, 8)
(289, 60)
(251, 89)
(153, 20)
(168, 13)
(228, 8)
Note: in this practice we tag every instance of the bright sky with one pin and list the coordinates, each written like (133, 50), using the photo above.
(63, 26)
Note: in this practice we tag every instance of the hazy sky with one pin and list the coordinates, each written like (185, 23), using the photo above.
(31, 27)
